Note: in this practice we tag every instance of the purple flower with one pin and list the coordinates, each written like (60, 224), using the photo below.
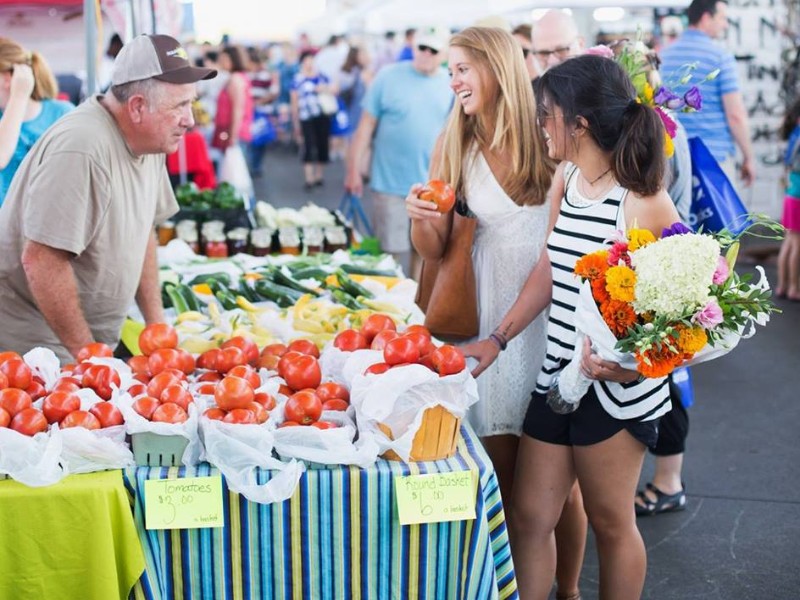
(664, 95)
(693, 98)
(709, 316)
(676, 228)
(669, 125)
(722, 272)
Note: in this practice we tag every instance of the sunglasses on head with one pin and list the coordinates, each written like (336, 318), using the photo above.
(424, 48)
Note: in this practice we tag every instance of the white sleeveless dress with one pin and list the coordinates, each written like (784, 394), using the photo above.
(508, 242)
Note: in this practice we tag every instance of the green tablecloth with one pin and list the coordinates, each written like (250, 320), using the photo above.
(75, 539)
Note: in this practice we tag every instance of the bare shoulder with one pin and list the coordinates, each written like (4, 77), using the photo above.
(653, 212)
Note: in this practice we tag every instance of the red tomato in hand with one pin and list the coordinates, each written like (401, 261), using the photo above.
(247, 346)
(233, 392)
(80, 418)
(108, 414)
(18, 373)
(400, 350)
(302, 372)
(377, 369)
(440, 193)
(350, 340)
(247, 373)
(242, 416)
(157, 336)
(376, 323)
(29, 421)
(59, 404)
(304, 407)
(94, 349)
(448, 360)
(335, 404)
(14, 400)
(5, 418)
(330, 390)
(304, 347)
(146, 406)
(169, 413)
(265, 400)
(176, 394)
(100, 378)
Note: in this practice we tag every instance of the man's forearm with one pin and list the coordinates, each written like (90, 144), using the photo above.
(736, 116)
(148, 295)
(52, 283)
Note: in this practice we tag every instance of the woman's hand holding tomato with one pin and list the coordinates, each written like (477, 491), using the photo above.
(419, 209)
(440, 193)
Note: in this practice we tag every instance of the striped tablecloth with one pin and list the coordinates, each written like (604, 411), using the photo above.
(337, 537)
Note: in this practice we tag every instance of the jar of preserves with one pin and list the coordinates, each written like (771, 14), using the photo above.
(166, 233)
(335, 239)
(237, 240)
(261, 241)
(186, 231)
(289, 240)
(216, 246)
(312, 240)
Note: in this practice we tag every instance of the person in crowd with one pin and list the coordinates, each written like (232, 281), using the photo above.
(671, 29)
(78, 221)
(404, 110)
(107, 62)
(612, 148)
(234, 113)
(264, 89)
(492, 152)
(555, 38)
(311, 125)
(723, 123)
(331, 57)
(789, 256)
(522, 33)
(407, 51)
(27, 106)
(387, 51)
(287, 70)
(352, 82)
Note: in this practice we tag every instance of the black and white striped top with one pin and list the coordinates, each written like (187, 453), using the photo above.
(582, 227)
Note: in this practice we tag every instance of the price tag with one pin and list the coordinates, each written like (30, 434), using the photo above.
(183, 503)
(436, 497)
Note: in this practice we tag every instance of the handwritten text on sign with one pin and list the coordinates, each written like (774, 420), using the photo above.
(436, 497)
(183, 503)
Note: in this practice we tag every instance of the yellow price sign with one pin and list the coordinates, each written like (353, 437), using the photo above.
(436, 497)
(186, 503)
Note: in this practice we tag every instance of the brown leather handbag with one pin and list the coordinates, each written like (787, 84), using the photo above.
(447, 293)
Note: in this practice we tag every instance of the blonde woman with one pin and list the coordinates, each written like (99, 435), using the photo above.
(493, 154)
(27, 105)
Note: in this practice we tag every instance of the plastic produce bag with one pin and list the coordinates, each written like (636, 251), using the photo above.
(86, 451)
(34, 461)
(234, 170)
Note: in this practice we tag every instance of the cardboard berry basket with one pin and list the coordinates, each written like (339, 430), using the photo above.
(435, 439)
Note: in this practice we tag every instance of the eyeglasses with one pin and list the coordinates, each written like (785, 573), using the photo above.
(526, 52)
(542, 119)
(424, 48)
(560, 52)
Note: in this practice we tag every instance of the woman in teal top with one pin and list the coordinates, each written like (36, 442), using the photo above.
(27, 106)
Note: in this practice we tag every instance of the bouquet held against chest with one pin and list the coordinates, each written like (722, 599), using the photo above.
(656, 304)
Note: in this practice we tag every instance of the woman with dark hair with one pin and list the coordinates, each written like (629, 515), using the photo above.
(234, 113)
(610, 178)
(311, 125)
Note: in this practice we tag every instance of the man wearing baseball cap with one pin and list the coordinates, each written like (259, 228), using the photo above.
(78, 246)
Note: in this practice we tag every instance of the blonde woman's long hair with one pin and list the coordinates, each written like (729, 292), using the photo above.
(497, 54)
(11, 53)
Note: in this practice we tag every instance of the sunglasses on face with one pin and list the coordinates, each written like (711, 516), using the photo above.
(424, 48)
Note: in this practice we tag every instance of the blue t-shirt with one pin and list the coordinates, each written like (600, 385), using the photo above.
(709, 123)
(31, 131)
(308, 105)
(411, 109)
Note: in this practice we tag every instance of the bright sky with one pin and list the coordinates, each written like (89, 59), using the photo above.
(253, 20)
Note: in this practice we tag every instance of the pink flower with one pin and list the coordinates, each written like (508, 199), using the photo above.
(601, 50)
(722, 272)
(709, 316)
(619, 252)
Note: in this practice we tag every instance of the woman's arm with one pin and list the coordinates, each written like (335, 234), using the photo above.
(237, 90)
(429, 227)
(22, 82)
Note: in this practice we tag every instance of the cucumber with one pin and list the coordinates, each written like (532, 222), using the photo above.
(346, 300)
(226, 299)
(189, 296)
(281, 278)
(351, 287)
(222, 277)
(311, 273)
(280, 295)
(358, 270)
(178, 301)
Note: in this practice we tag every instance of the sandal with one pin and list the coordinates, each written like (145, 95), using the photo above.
(575, 596)
(663, 503)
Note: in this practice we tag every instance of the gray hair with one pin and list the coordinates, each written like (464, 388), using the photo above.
(149, 88)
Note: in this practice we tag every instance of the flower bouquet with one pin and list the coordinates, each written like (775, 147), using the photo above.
(653, 305)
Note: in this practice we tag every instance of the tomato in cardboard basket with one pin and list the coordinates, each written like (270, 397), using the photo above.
(233, 392)
(4, 356)
(160, 382)
(376, 323)
(247, 373)
(440, 193)
(259, 412)
(139, 364)
(29, 421)
(325, 425)
(421, 341)
(289, 424)
(14, 400)
(248, 347)
(169, 413)
(177, 394)
(108, 414)
(145, 406)
(18, 373)
(156, 336)
(36, 390)
(400, 350)
(304, 407)
(302, 372)
(241, 416)
(448, 360)
(164, 358)
(330, 390)
(264, 399)
(230, 357)
(59, 404)
(382, 338)
(3, 381)
(80, 418)
(304, 347)
(377, 369)
(335, 404)
(208, 359)
(5, 418)
(215, 414)
(350, 340)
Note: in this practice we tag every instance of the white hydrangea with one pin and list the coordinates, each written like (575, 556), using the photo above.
(673, 274)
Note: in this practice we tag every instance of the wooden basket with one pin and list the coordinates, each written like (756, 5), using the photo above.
(436, 438)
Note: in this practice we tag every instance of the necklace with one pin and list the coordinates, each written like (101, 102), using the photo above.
(599, 177)
(591, 183)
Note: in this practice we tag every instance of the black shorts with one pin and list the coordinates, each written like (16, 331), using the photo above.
(673, 427)
(588, 425)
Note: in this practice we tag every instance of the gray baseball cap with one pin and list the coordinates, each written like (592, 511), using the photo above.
(158, 56)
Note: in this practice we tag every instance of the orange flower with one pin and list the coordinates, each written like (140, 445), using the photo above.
(591, 266)
(599, 292)
(661, 361)
(619, 316)
(691, 340)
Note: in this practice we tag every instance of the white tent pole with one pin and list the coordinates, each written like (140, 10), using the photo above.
(90, 26)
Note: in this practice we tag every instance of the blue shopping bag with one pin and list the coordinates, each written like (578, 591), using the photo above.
(340, 122)
(715, 203)
(262, 129)
(682, 380)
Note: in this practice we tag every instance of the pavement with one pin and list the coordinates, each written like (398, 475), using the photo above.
(739, 537)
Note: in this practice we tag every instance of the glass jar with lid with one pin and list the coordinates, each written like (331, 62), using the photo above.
(261, 241)
(312, 239)
(216, 245)
(186, 230)
(335, 239)
(289, 240)
(237, 240)
(166, 233)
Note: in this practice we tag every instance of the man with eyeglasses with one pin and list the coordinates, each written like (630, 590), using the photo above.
(404, 110)
(554, 39)
(522, 33)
